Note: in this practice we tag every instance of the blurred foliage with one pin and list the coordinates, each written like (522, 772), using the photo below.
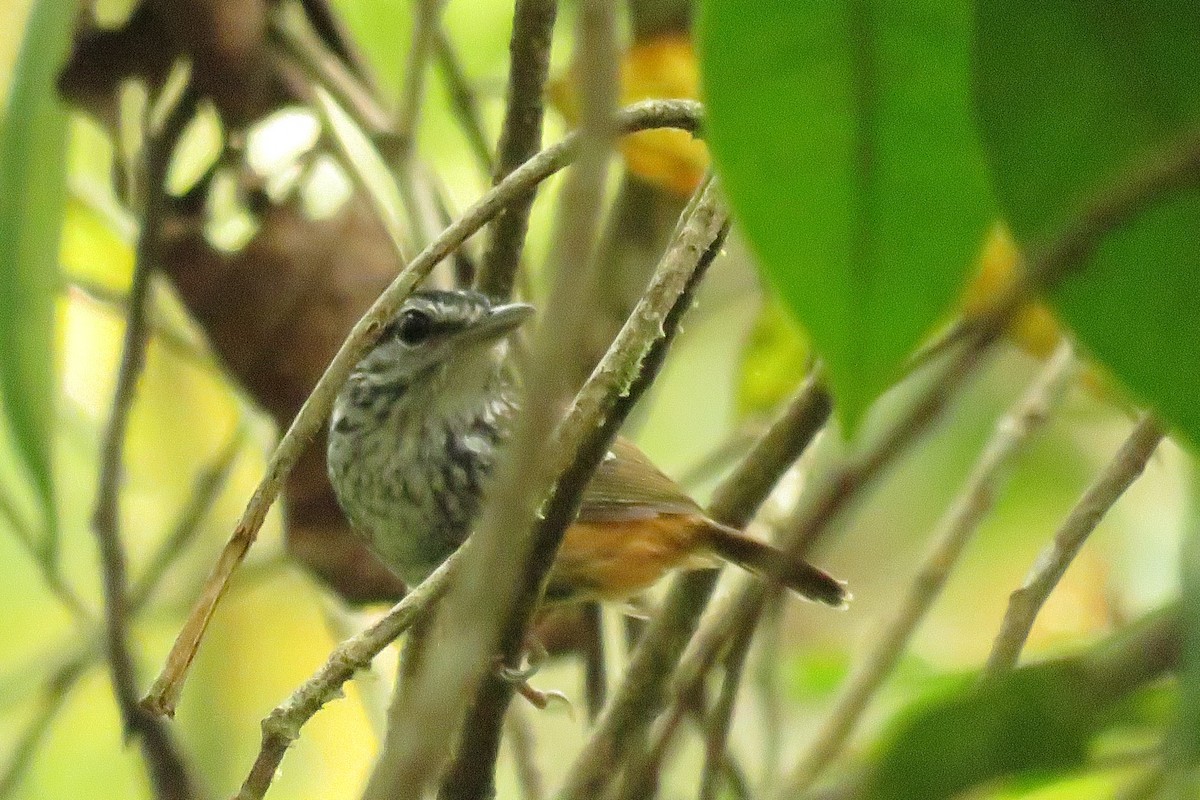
(1034, 327)
(1032, 724)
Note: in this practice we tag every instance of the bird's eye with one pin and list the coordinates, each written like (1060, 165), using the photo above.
(414, 327)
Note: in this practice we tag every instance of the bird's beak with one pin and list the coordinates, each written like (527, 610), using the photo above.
(503, 320)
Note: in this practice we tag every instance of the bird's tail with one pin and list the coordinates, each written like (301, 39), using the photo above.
(771, 562)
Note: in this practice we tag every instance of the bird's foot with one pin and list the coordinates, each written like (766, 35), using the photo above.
(535, 656)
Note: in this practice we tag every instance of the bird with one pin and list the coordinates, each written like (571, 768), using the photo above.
(414, 436)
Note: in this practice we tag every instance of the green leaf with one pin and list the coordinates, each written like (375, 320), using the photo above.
(843, 134)
(1031, 723)
(32, 191)
(1035, 719)
(1071, 96)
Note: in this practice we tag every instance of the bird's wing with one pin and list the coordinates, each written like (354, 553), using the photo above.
(627, 485)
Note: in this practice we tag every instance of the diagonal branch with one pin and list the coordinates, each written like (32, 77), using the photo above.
(952, 534)
(720, 718)
(426, 20)
(164, 694)
(655, 320)
(625, 721)
(1051, 564)
(282, 726)
(740, 610)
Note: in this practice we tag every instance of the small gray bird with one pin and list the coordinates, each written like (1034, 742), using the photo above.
(414, 435)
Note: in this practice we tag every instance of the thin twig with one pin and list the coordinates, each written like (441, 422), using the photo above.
(1143, 185)
(173, 340)
(360, 174)
(1113, 669)
(769, 694)
(952, 534)
(282, 726)
(299, 42)
(520, 137)
(63, 680)
(422, 210)
(169, 772)
(205, 491)
(426, 21)
(164, 694)
(595, 672)
(1052, 563)
(338, 38)
(520, 736)
(743, 607)
(719, 458)
(720, 718)
(1146, 182)
(295, 36)
(463, 101)
(624, 723)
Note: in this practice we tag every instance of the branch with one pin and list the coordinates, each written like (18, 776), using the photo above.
(595, 671)
(827, 500)
(282, 726)
(168, 771)
(51, 576)
(463, 102)
(953, 532)
(624, 723)
(520, 137)
(716, 727)
(1051, 564)
(164, 694)
(295, 37)
(421, 208)
(205, 491)
(628, 369)
(1144, 184)
(299, 42)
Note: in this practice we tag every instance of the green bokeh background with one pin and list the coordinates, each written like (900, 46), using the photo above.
(277, 625)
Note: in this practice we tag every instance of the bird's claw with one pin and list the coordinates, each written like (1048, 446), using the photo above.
(535, 656)
(541, 700)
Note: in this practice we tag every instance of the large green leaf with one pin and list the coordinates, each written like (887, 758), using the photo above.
(1038, 718)
(1071, 96)
(32, 191)
(843, 134)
